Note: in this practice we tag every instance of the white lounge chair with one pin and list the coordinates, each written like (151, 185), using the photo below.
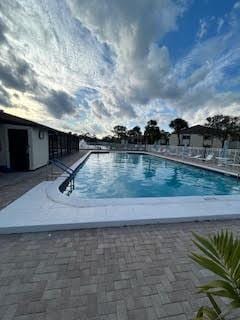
(186, 155)
(209, 157)
(173, 153)
(225, 161)
(198, 156)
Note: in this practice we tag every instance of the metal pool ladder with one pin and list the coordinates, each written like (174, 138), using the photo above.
(68, 185)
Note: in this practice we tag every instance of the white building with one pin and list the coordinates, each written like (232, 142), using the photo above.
(197, 136)
(27, 145)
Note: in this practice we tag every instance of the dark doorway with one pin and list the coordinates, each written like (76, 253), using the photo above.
(18, 149)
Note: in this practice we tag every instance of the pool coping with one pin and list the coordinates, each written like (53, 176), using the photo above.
(43, 208)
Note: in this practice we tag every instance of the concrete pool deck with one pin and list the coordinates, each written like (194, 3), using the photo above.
(44, 208)
(14, 184)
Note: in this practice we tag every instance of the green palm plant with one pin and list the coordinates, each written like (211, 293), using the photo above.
(219, 253)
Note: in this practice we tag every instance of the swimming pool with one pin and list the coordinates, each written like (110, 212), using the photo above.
(134, 175)
(121, 189)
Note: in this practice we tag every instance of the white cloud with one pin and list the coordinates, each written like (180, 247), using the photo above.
(99, 63)
(220, 24)
(99, 109)
(203, 26)
(237, 5)
(132, 29)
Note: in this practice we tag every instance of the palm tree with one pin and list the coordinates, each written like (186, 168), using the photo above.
(134, 134)
(120, 132)
(152, 132)
(177, 125)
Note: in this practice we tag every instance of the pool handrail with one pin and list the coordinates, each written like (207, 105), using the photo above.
(62, 166)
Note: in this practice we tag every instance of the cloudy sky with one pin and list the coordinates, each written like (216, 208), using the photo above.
(87, 65)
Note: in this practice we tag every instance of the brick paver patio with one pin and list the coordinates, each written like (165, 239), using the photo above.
(131, 273)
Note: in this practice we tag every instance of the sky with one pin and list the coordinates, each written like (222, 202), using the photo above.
(88, 65)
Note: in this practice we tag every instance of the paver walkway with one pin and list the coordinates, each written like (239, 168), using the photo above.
(15, 184)
(131, 273)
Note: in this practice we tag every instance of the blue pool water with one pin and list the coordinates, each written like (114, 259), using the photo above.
(126, 175)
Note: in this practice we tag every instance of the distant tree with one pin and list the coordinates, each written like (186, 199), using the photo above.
(177, 125)
(226, 125)
(137, 130)
(88, 137)
(108, 139)
(134, 134)
(120, 132)
(152, 132)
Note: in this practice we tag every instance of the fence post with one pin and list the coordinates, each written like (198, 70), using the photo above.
(235, 156)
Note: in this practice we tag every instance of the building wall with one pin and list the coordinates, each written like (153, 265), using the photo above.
(217, 143)
(234, 144)
(196, 141)
(38, 148)
(3, 152)
(173, 139)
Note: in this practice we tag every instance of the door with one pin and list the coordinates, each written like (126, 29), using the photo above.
(18, 149)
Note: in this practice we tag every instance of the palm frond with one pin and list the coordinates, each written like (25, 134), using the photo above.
(220, 254)
(207, 313)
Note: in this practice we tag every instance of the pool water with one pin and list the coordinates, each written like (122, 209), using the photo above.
(129, 175)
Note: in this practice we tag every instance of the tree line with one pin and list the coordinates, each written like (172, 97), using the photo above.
(225, 126)
(151, 134)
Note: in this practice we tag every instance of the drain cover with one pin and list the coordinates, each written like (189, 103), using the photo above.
(210, 198)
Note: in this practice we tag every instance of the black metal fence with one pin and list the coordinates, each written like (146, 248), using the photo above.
(61, 144)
